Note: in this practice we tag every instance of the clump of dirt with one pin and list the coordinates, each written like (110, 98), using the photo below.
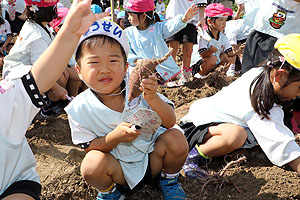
(197, 88)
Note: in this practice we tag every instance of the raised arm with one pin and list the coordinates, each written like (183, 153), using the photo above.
(51, 64)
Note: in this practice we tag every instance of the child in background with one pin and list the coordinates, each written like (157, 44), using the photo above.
(33, 40)
(5, 38)
(186, 36)
(217, 49)
(5, 35)
(120, 19)
(73, 83)
(12, 11)
(160, 7)
(21, 96)
(270, 20)
(117, 153)
(237, 32)
(35, 36)
(253, 113)
(146, 38)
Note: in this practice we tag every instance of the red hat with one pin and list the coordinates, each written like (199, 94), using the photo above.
(216, 10)
(139, 5)
(41, 3)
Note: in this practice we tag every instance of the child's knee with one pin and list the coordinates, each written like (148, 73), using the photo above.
(91, 163)
(224, 58)
(238, 136)
(207, 65)
(176, 141)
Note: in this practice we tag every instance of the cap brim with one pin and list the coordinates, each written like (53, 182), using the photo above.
(129, 10)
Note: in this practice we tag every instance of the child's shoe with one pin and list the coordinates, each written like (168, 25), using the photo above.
(231, 70)
(115, 194)
(186, 74)
(47, 111)
(191, 166)
(171, 189)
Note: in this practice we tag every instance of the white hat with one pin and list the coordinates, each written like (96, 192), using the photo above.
(108, 28)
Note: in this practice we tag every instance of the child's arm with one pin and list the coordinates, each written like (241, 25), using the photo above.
(190, 13)
(122, 133)
(164, 110)
(239, 11)
(172, 26)
(212, 49)
(7, 41)
(51, 64)
(236, 50)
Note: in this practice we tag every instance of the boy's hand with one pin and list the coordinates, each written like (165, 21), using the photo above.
(81, 17)
(190, 13)
(149, 87)
(125, 133)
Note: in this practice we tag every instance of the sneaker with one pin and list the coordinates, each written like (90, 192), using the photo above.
(186, 74)
(171, 189)
(172, 84)
(230, 72)
(192, 165)
(197, 75)
(114, 195)
(46, 111)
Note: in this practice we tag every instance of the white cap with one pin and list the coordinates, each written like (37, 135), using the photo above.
(108, 28)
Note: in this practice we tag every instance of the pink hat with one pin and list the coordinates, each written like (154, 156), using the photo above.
(216, 10)
(229, 10)
(61, 14)
(139, 5)
(41, 3)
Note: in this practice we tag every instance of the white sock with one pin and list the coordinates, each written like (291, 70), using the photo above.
(169, 176)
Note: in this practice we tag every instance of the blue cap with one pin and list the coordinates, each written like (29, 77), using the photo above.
(121, 15)
(96, 8)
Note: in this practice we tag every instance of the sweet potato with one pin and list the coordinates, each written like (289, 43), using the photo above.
(143, 69)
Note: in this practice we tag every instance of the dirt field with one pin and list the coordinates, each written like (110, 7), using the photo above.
(58, 160)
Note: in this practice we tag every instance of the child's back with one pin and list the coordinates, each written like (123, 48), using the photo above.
(270, 20)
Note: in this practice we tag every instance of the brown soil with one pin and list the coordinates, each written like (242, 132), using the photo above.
(58, 160)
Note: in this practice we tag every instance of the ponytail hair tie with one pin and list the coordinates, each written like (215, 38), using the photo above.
(281, 58)
(269, 64)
